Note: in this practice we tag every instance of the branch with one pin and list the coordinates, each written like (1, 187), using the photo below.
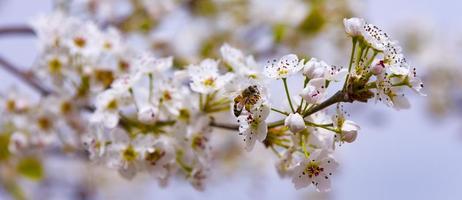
(340, 96)
(232, 127)
(27, 78)
(16, 30)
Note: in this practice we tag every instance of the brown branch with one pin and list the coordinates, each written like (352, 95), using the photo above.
(16, 30)
(26, 77)
(340, 96)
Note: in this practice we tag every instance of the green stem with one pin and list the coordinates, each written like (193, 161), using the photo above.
(366, 52)
(307, 155)
(130, 90)
(151, 87)
(279, 111)
(354, 41)
(201, 103)
(284, 80)
(276, 124)
(324, 126)
(275, 151)
(369, 62)
(302, 101)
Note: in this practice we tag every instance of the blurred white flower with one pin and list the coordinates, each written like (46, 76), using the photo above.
(205, 77)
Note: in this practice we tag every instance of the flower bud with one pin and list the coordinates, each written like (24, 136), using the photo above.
(349, 131)
(314, 68)
(147, 114)
(353, 26)
(295, 122)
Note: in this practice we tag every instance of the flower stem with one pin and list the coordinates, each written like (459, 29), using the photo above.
(132, 94)
(201, 103)
(369, 62)
(353, 49)
(324, 126)
(284, 80)
(279, 111)
(302, 138)
(276, 124)
(299, 109)
(151, 87)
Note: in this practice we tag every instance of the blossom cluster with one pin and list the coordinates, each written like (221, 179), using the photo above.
(141, 112)
(166, 119)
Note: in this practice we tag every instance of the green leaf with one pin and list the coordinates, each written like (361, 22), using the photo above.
(31, 168)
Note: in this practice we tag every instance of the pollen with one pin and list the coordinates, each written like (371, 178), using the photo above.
(153, 157)
(66, 107)
(282, 71)
(313, 169)
(80, 42)
(129, 154)
(10, 105)
(167, 96)
(44, 123)
(112, 105)
(210, 82)
(55, 65)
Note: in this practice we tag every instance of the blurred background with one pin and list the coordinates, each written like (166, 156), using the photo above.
(410, 154)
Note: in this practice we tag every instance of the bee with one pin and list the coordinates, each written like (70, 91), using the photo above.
(249, 97)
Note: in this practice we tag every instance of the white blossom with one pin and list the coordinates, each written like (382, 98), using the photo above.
(314, 91)
(284, 67)
(205, 77)
(316, 170)
(253, 126)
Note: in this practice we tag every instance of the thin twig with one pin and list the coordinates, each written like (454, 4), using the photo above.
(232, 127)
(16, 30)
(27, 78)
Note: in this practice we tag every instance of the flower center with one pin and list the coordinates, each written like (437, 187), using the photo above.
(112, 105)
(282, 71)
(54, 65)
(129, 154)
(210, 82)
(153, 157)
(107, 45)
(123, 65)
(167, 96)
(80, 42)
(11, 105)
(184, 115)
(199, 142)
(313, 169)
(44, 123)
(105, 77)
(65, 107)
